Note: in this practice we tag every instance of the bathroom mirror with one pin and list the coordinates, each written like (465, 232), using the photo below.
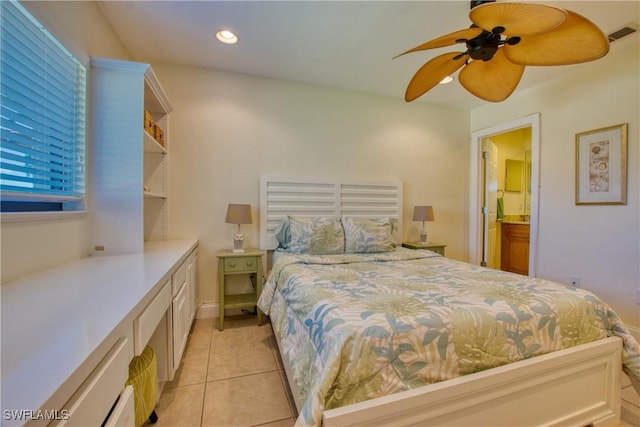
(513, 175)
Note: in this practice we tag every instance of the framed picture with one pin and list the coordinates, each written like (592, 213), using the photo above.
(601, 166)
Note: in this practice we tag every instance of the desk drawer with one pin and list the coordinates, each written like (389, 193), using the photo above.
(178, 278)
(240, 264)
(147, 322)
(93, 400)
(123, 413)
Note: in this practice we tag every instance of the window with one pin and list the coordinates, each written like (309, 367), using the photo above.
(42, 117)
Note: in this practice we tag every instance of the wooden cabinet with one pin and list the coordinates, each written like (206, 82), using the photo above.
(515, 248)
(128, 166)
(231, 263)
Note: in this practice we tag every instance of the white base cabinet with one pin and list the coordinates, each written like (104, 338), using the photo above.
(192, 277)
(166, 322)
(123, 413)
(92, 317)
(184, 306)
(181, 324)
(92, 402)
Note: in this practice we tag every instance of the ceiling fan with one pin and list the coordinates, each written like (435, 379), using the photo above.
(503, 39)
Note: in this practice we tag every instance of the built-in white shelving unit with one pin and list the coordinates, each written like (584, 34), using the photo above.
(128, 165)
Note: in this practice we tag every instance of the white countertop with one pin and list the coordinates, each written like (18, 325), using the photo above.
(53, 321)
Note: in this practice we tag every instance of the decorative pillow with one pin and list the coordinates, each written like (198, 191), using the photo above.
(282, 234)
(368, 235)
(317, 236)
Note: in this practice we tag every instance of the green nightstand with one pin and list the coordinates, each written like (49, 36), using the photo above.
(435, 247)
(247, 262)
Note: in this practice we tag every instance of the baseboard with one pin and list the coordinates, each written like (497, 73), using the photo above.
(211, 310)
(208, 310)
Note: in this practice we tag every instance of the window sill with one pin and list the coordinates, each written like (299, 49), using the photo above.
(11, 217)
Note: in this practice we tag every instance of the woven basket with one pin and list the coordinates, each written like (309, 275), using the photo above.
(148, 122)
(143, 376)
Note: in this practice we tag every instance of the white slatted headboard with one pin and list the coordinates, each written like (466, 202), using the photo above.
(282, 196)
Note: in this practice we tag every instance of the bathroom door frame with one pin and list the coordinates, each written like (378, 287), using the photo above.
(476, 186)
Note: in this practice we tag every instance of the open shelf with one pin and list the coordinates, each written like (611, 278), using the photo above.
(152, 195)
(128, 161)
(151, 145)
(239, 300)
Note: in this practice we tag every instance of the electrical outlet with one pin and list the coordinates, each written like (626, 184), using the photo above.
(575, 281)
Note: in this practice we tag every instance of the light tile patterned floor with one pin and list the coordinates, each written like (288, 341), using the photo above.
(228, 378)
(235, 378)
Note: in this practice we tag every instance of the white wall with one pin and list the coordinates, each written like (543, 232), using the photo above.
(228, 129)
(600, 244)
(32, 246)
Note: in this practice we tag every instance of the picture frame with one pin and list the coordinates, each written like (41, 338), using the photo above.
(601, 166)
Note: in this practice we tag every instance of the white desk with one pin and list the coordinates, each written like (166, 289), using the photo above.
(57, 325)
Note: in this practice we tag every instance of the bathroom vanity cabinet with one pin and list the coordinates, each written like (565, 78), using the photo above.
(515, 248)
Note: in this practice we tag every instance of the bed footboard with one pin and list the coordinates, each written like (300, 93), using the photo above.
(578, 386)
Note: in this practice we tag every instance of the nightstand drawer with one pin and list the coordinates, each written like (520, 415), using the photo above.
(239, 264)
(434, 247)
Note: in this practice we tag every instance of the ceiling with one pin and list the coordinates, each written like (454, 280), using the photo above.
(337, 44)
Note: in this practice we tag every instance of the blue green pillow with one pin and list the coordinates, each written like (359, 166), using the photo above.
(282, 234)
(316, 235)
(368, 235)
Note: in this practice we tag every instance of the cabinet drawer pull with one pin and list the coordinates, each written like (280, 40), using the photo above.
(232, 264)
(249, 263)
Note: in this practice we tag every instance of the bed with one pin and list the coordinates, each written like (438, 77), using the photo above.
(373, 334)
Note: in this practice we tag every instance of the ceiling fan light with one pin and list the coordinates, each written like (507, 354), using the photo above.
(227, 37)
(446, 80)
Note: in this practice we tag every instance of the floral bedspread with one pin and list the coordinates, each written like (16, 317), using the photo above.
(359, 326)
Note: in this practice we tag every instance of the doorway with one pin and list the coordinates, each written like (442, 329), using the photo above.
(485, 188)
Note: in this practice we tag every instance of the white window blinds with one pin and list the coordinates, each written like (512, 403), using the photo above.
(42, 113)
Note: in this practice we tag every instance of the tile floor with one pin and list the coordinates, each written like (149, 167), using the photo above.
(228, 378)
(235, 378)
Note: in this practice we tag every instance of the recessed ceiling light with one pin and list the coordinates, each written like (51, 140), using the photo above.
(226, 36)
(446, 80)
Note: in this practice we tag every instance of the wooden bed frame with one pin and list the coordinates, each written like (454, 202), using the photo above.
(579, 386)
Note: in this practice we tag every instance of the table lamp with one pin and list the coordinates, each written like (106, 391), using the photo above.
(238, 214)
(423, 213)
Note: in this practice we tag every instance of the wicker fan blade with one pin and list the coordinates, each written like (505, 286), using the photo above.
(431, 73)
(446, 40)
(492, 80)
(517, 19)
(576, 40)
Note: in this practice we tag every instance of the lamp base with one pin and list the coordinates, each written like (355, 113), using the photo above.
(238, 241)
(423, 236)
